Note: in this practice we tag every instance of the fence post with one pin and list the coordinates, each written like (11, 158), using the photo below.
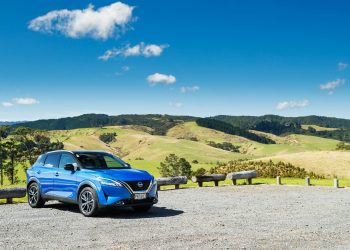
(308, 181)
(278, 178)
(336, 183)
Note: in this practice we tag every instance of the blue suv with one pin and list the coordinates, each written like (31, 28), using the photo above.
(91, 179)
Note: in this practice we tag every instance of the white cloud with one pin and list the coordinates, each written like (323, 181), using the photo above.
(292, 104)
(101, 23)
(343, 66)
(153, 50)
(161, 78)
(25, 101)
(189, 89)
(122, 70)
(330, 86)
(7, 104)
(176, 104)
(125, 68)
(141, 49)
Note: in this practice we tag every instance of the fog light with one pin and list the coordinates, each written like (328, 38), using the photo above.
(119, 203)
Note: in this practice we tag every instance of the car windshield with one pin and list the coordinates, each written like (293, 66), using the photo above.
(96, 160)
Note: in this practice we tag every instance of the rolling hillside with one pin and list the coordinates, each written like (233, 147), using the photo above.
(138, 146)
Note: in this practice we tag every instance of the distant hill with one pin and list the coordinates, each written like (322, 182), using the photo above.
(249, 122)
(159, 123)
(279, 125)
(10, 123)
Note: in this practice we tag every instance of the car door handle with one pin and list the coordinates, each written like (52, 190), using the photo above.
(57, 174)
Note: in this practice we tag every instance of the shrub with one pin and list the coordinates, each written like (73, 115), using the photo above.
(343, 146)
(225, 146)
(108, 137)
(266, 169)
(199, 172)
(175, 166)
(195, 162)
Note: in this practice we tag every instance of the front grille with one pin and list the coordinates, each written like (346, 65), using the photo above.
(134, 185)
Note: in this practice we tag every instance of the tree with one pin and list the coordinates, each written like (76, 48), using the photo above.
(175, 166)
(14, 153)
(108, 137)
(4, 132)
(34, 143)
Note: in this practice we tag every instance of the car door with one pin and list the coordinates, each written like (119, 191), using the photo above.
(65, 181)
(46, 172)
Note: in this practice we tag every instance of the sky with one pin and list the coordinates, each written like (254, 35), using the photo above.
(63, 58)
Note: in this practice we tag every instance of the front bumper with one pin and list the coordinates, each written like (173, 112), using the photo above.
(124, 196)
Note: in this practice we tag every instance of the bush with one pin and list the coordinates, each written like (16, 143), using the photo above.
(266, 169)
(108, 137)
(175, 166)
(225, 146)
(343, 146)
(195, 162)
(199, 172)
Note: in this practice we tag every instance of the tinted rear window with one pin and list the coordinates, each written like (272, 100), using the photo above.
(52, 160)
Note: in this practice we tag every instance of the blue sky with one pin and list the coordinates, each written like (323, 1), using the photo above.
(198, 58)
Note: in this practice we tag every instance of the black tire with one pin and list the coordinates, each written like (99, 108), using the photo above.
(88, 202)
(34, 196)
(142, 208)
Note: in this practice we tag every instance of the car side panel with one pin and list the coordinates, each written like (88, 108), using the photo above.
(65, 183)
(45, 177)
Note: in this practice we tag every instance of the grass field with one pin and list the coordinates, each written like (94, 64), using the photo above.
(188, 140)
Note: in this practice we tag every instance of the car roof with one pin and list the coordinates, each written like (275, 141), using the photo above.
(77, 151)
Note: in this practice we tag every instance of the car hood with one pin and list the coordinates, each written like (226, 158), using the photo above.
(129, 174)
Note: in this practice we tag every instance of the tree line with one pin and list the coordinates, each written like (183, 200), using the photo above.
(21, 146)
(158, 123)
(249, 122)
(230, 129)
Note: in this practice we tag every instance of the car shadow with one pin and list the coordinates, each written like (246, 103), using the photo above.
(120, 212)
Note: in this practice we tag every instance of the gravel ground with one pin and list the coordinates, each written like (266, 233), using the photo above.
(259, 216)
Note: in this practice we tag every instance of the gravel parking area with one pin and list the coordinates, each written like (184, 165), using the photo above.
(259, 216)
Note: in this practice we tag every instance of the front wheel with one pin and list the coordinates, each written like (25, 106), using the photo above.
(142, 209)
(88, 202)
(34, 197)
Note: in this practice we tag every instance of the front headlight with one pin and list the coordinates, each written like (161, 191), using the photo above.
(109, 182)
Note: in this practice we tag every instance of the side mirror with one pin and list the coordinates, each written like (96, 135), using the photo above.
(69, 167)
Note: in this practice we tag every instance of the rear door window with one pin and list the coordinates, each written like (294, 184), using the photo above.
(52, 160)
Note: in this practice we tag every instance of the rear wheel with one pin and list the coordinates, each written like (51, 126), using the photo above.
(142, 209)
(34, 197)
(88, 202)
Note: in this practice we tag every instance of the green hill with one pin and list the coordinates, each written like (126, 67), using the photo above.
(138, 146)
(159, 123)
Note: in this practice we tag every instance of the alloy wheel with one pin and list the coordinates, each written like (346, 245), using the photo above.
(87, 202)
(33, 195)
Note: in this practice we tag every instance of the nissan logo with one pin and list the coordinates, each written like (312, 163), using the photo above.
(140, 184)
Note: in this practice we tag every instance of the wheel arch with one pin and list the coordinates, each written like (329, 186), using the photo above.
(84, 185)
(32, 180)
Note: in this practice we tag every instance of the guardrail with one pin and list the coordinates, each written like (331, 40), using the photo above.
(308, 181)
(166, 181)
(208, 178)
(249, 175)
(10, 193)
